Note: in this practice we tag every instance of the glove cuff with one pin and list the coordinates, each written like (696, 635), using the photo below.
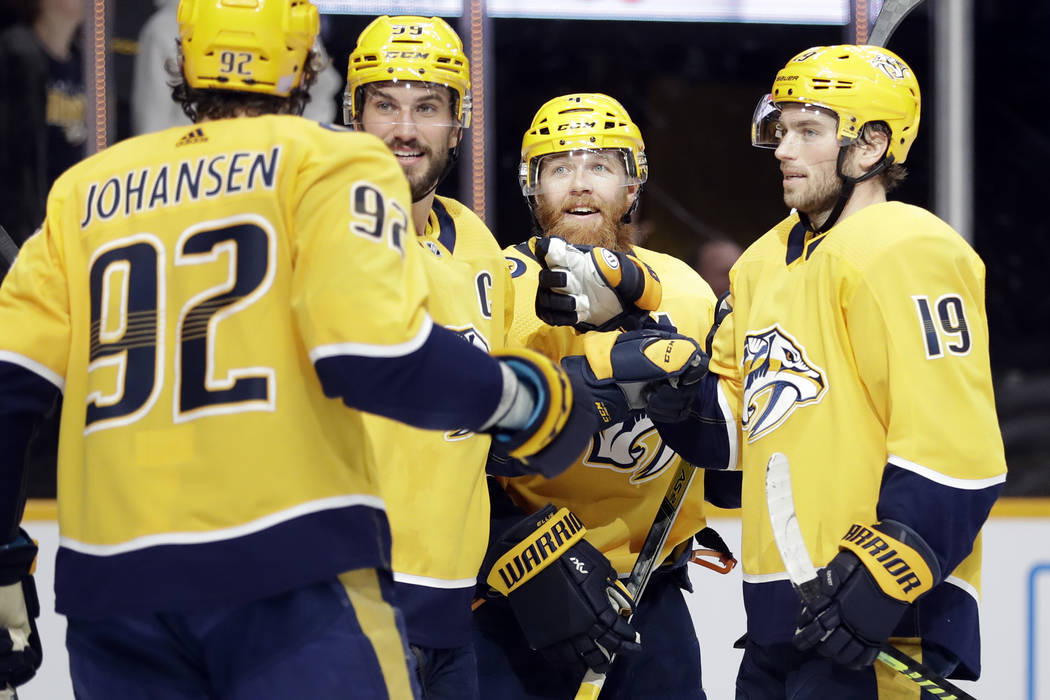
(17, 559)
(553, 396)
(541, 547)
(900, 561)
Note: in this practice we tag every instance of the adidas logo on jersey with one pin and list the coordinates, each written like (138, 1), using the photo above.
(195, 136)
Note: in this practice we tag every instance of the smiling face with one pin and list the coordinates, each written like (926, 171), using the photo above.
(582, 196)
(416, 122)
(808, 154)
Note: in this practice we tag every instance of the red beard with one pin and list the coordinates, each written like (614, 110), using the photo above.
(611, 232)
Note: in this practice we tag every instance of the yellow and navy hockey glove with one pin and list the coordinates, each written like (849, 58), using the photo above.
(564, 593)
(621, 370)
(593, 288)
(20, 653)
(879, 571)
(545, 419)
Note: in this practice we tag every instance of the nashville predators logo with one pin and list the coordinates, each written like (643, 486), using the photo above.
(778, 379)
(633, 447)
(892, 67)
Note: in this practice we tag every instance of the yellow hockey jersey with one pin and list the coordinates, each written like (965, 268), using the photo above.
(863, 356)
(434, 481)
(616, 486)
(195, 295)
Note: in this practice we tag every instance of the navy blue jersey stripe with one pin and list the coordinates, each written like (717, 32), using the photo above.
(447, 383)
(446, 226)
(436, 617)
(773, 609)
(947, 518)
(703, 439)
(26, 398)
(183, 577)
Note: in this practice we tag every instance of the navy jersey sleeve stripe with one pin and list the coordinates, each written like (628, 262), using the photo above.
(708, 437)
(444, 383)
(948, 518)
(27, 396)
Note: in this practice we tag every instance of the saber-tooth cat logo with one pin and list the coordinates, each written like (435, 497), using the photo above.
(632, 447)
(778, 379)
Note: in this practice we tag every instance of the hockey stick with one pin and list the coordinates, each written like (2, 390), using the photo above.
(8, 249)
(648, 559)
(891, 14)
(803, 575)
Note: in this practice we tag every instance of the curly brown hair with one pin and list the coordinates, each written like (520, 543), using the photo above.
(204, 103)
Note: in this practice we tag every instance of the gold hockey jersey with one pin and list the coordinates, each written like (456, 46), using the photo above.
(183, 289)
(863, 356)
(434, 481)
(616, 486)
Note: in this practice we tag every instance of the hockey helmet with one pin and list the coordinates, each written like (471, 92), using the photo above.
(246, 45)
(860, 84)
(581, 121)
(411, 49)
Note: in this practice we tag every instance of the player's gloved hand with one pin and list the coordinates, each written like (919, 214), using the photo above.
(672, 401)
(621, 369)
(563, 591)
(20, 653)
(593, 288)
(867, 587)
(545, 418)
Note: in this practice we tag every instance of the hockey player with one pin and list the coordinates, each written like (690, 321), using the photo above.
(582, 169)
(408, 83)
(860, 333)
(201, 296)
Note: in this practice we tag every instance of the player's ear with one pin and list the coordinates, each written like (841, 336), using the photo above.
(454, 136)
(871, 148)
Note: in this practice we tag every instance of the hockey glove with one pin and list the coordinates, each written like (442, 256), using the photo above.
(593, 288)
(20, 653)
(621, 370)
(867, 587)
(544, 419)
(563, 591)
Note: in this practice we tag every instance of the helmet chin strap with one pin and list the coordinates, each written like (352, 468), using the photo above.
(634, 205)
(845, 192)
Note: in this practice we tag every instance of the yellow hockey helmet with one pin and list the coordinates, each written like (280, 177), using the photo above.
(860, 84)
(246, 45)
(581, 121)
(408, 48)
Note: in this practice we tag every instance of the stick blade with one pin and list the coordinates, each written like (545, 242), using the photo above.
(786, 531)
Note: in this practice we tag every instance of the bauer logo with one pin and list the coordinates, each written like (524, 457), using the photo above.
(778, 379)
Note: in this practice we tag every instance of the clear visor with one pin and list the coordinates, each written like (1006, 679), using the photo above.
(583, 168)
(766, 130)
(767, 127)
(403, 103)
